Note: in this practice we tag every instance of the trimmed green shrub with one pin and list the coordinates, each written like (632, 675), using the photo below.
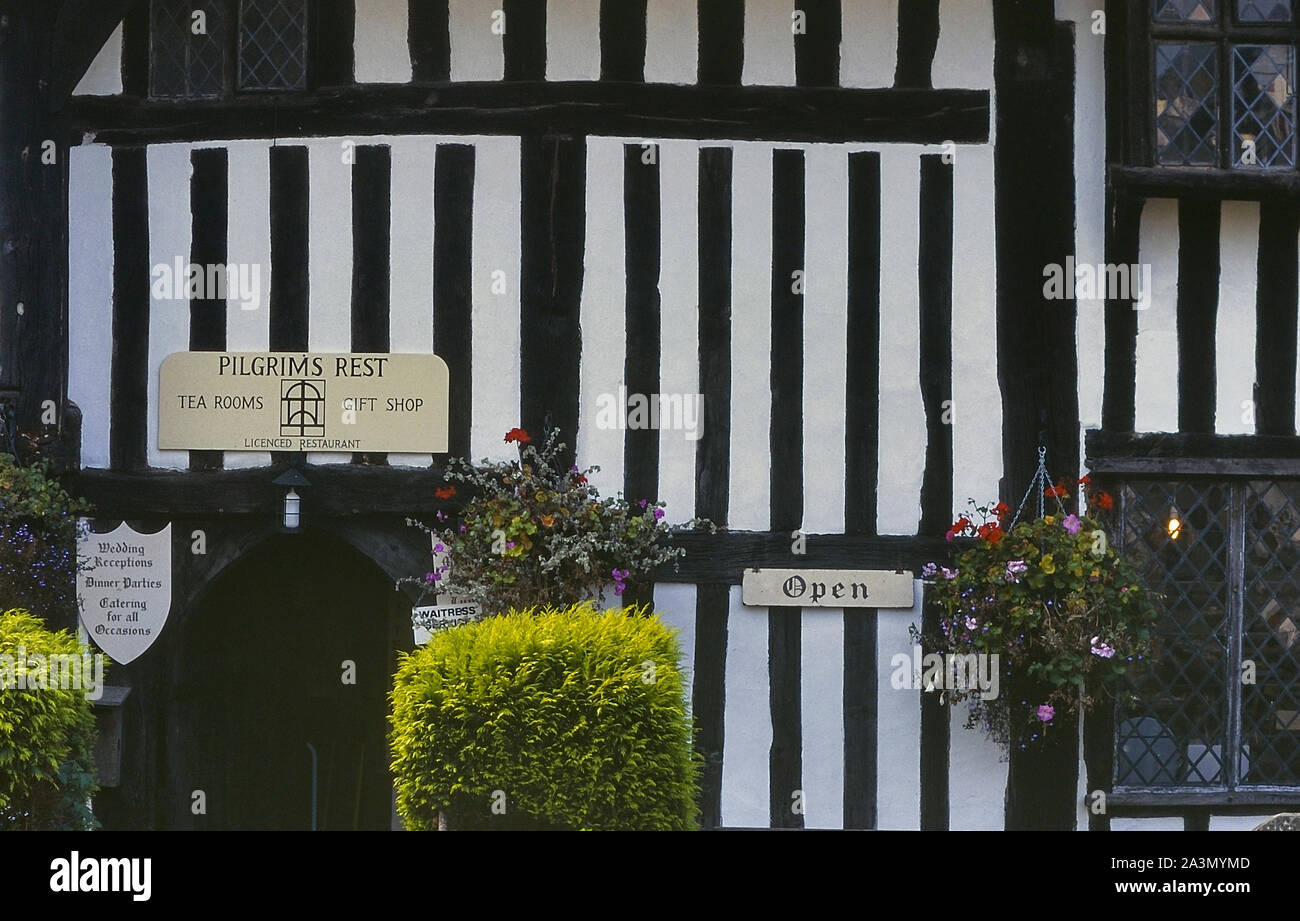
(545, 718)
(47, 732)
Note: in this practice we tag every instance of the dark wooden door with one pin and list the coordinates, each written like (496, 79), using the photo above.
(290, 652)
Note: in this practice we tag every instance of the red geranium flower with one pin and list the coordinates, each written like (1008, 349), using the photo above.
(990, 532)
(445, 492)
(1056, 492)
(519, 435)
(1001, 509)
(1103, 500)
(1085, 480)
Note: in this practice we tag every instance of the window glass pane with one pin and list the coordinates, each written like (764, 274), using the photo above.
(1263, 10)
(1172, 730)
(187, 48)
(273, 44)
(1270, 707)
(1263, 105)
(1186, 83)
(1186, 10)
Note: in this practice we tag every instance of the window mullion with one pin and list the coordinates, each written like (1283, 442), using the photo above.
(1230, 760)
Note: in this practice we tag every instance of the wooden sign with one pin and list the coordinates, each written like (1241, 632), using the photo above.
(302, 401)
(124, 589)
(827, 588)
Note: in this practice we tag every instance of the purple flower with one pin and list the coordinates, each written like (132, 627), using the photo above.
(972, 623)
(1101, 649)
(948, 574)
(929, 571)
(643, 503)
(438, 548)
(1072, 523)
(463, 529)
(1046, 712)
(433, 577)
(659, 513)
(510, 545)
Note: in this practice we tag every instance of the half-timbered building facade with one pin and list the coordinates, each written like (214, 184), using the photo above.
(832, 220)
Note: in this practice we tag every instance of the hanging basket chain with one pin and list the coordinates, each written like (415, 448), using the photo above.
(1041, 481)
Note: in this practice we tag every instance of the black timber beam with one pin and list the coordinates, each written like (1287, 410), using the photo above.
(1191, 454)
(772, 113)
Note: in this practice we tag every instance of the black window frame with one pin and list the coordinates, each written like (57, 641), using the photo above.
(1224, 32)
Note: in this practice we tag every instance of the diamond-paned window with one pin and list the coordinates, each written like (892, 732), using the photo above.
(1217, 704)
(1263, 10)
(1186, 10)
(1263, 105)
(272, 44)
(1187, 119)
(187, 48)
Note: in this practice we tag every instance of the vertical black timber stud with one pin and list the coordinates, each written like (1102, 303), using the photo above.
(722, 41)
(129, 401)
(622, 40)
(372, 202)
(33, 219)
(918, 37)
(135, 51)
(429, 38)
(334, 28)
(453, 301)
(1198, 302)
(642, 323)
(525, 39)
(1119, 405)
(289, 270)
(1037, 364)
(713, 467)
(1275, 308)
(862, 443)
(554, 179)
(784, 625)
(817, 50)
(208, 207)
(935, 280)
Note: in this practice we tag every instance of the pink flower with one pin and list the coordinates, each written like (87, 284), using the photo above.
(948, 574)
(1046, 712)
(1072, 523)
(972, 623)
(1016, 568)
(929, 571)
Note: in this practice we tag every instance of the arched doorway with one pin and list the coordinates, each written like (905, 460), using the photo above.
(279, 703)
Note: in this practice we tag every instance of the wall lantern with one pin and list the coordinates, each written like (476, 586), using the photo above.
(293, 479)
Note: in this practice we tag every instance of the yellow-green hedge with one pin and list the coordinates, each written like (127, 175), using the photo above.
(567, 718)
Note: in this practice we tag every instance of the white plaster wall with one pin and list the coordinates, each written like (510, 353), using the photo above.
(902, 413)
(964, 55)
(1159, 823)
(898, 724)
(675, 605)
(751, 336)
(411, 234)
(822, 715)
(477, 53)
(380, 45)
(169, 172)
(603, 317)
(679, 334)
(1237, 822)
(90, 295)
(1234, 337)
(1156, 382)
(496, 316)
(769, 43)
(104, 76)
(747, 718)
(671, 41)
(869, 48)
(248, 241)
(573, 40)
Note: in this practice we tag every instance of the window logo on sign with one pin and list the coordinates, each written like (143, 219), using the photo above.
(302, 408)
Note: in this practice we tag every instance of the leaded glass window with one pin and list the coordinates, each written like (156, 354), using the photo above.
(1224, 84)
(187, 49)
(1217, 704)
(272, 44)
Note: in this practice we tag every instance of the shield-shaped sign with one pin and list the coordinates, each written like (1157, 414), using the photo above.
(124, 588)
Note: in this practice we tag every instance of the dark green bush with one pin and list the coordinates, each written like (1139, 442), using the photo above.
(38, 533)
(47, 734)
(545, 718)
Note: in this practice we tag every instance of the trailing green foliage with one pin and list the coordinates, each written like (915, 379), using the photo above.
(38, 530)
(547, 717)
(47, 734)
